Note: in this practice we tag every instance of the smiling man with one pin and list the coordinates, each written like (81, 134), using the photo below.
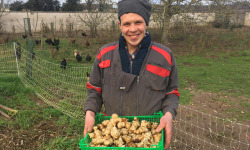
(134, 75)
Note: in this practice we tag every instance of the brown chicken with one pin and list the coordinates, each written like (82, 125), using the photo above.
(87, 43)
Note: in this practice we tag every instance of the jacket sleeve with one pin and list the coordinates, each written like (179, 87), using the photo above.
(170, 103)
(94, 99)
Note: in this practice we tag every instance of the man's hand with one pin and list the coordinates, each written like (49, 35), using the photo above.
(166, 122)
(89, 122)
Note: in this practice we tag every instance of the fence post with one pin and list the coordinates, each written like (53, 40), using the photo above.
(52, 27)
(27, 26)
(30, 45)
(16, 59)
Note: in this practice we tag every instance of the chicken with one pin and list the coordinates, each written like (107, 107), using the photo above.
(24, 36)
(78, 57)
(63, 63)
(88, 58)
(88, 75)
(56, 42)
(18, 52)
(48, 41)
(84, 34)
(75, 53)
(87, 43)
(38, 42)
(33, 55)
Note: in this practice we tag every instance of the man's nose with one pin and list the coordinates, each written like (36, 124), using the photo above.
(133, 28)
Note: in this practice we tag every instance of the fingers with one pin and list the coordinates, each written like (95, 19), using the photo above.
(163, 123)
(89, 122)
(168, 134)
(86, 130)
(160, 127)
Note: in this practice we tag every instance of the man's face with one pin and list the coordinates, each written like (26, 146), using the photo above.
(133, 27)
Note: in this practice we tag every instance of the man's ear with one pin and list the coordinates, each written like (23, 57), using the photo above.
(119, 23)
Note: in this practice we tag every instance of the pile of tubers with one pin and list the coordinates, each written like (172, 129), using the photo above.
(118, 132)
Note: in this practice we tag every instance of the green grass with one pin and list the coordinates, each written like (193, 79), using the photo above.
(221, 74)
(50, 112)
(60, 143)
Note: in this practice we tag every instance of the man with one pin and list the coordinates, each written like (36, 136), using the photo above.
(134, 76)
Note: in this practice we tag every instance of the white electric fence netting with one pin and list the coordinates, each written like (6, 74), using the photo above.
(65, 89)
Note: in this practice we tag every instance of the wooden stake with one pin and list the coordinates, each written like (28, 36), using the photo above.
(4, 114)
(9, 109)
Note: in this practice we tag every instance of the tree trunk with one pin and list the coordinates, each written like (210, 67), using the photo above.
(165, 31)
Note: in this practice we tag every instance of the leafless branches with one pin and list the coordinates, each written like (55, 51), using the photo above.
(94, 21)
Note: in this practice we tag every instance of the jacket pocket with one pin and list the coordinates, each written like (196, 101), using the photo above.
(125, 81)
(157, 77)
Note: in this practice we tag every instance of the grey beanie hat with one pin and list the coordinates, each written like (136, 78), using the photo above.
(140, 7)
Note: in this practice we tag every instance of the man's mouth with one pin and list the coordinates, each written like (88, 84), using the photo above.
(134, 36)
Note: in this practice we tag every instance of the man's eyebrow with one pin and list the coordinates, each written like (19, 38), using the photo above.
(125, 22)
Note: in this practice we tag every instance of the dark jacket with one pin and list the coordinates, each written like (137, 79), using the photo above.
(155, 89)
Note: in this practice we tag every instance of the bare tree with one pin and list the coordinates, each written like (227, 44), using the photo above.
(2, 13)
(93, 21)
(164, 10)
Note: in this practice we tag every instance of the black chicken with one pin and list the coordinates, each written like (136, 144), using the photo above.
(38, 42)
(18, 52)
(78, 57)
(87, 43)
(88, 58)
(56, 42)
(24, 36)
(48, 41)
(63, 63)
(84, 34)
(33, 55)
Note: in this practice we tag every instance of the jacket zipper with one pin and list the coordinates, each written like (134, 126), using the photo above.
(137, 95)
(131, 65)
(121, 104)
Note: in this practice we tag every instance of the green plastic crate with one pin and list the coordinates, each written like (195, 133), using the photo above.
(84, 143)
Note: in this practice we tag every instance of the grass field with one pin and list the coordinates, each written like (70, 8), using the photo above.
(212, 69)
